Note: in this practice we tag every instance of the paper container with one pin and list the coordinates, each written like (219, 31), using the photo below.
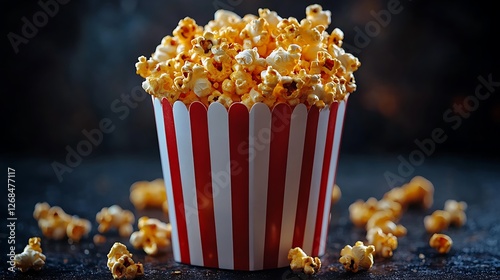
(244, 187)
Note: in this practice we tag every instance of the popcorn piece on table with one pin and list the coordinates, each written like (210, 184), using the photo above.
(301, 262)
(360, 212)
(359, 257)
(31, 257)
(438, 221)
(153, 235)
(456, 210)
(385, 221)
(419, 191)
(336, 194)
(115, 217)
(384, 243)
(441, 242)
(121, 264)
(57, 224)
(144, 194)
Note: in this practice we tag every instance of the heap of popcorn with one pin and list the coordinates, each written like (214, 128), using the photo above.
(252, 59)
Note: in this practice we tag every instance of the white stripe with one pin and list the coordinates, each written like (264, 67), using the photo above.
(259, 142)
(331, 176)
(218, 133)
(162, 141)
(185, 149)
(312, 208)
(292, 181)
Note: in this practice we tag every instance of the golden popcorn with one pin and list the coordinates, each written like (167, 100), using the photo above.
(384, 243)
(357, 257)
(153, 235)
(438, 221)
(57, 224)
(336, 194)
(419, 191)
(385, 221)
(115, 217)
(301, 262)
(441, 242)
(121, 264)
(456, 210)
(250, 59)
(360, 211)
(31, 257)
(145, 194)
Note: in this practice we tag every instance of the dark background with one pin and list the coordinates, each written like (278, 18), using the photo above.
(426, 59)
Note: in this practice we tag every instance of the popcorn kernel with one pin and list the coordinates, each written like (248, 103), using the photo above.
(358, 257)
(31, 257)
(441, 242)
(301, 262)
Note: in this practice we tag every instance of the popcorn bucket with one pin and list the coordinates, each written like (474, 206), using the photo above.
(246, 186)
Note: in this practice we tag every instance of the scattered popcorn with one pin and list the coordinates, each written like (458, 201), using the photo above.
(438, 221)
(145, 194)
(385, 221)
(57, 224)
(384, 243)
(441, 242)
(336, 194)
(419, 191)
(360, 212)
(115, 217)
(255, 58)
(359, 257)
(456, 210)
(301, 262)
(153, 235)
(121, 264)
(31, 257)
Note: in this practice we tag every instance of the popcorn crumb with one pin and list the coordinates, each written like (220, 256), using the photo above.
(99, 239)
(301, 262)
(359, 257)
(441, 242)
(31, 257)
(153, 235)
(115, 217)
(148, 194)
(121, 264)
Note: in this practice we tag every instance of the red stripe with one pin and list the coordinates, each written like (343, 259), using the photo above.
(280, 129)
(203, 181)
(238, 149)
(305, 177)
(324, 177)
(175, 176)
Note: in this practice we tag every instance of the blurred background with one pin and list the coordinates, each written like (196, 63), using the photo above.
(69, 65)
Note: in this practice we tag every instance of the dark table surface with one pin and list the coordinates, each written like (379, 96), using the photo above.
(102, 182)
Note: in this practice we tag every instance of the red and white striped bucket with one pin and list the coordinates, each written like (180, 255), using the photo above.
(247, 185)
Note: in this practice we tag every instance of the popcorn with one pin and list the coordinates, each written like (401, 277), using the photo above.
(418, 191)
(438, 221)
(441, 242)
(115, 217)
(260, 58)
(384, 243)
(31, 257)
(56, 224)
(385, 221)
(456, 210)
(153, 235)
(144, 194)
(121, 264)
(301, 262)
(336, 194)
(360, 212)
(359, 257)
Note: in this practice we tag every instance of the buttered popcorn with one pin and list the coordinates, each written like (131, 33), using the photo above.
(250, 59)
(31, 257)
